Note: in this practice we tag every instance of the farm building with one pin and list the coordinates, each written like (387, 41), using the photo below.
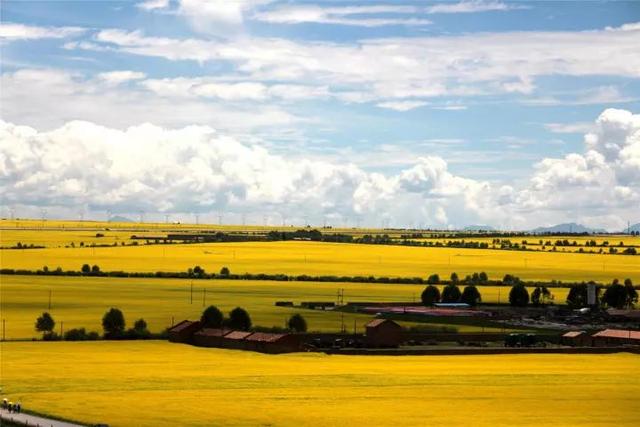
(576, 339)
(235, 340)
(383, 333)
(272, 343)
(614, 337)
(209, 337)
(183, 331)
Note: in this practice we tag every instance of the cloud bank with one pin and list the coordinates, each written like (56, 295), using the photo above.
(195, 169)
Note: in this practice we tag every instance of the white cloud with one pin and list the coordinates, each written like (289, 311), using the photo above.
(119, 77)
(153, 4)
(402, 105)
(11, 31)
(472, 6)
(342, 15)
(197, 169)
(578, 127)
(57, 96)
(381, 70)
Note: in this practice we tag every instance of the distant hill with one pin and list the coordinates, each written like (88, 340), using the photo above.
(478, 228)
(118, 218)
(570, 227)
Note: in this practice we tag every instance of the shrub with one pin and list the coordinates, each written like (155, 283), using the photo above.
(76, 334)
(224, 271)
(434, 279)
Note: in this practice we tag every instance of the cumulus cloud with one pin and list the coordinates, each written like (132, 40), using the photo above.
(198, 169)
(11, 31)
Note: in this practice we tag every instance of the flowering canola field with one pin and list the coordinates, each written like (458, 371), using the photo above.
(162, 384)
(81, 301)
(317, 258)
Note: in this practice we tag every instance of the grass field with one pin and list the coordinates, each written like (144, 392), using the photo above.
(162, 384)
(81, 301)
(316, 258)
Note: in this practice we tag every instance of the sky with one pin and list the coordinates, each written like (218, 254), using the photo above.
(345, 113)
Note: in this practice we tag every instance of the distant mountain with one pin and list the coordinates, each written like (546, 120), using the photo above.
(478, 228)
(118, 218)
(571, 227)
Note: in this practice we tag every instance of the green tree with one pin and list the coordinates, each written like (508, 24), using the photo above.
(211, 317)
(451, 293)
(430, 295)
(484, 279)
(239, 319)
(518, 296)
(45, 324)
(615, 295)
(140, 325)
(86, 269)
(95, 269)
(454, 278)
(224, 271)
(577, 296)
(540, 295)
(632, 294)
(297, 323)
(434, 279)
(113, 323)
(470, 295)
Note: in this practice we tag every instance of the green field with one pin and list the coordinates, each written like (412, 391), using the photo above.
(81, 301)
(161, 384)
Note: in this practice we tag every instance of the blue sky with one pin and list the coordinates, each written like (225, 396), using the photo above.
(491, 88)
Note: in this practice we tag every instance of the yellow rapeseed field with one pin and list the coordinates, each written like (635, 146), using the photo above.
(317, 258)
(81, 301)
(162, 384)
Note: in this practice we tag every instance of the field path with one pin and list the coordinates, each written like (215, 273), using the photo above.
(32, 420)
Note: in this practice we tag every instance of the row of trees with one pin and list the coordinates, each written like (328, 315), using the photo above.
(240, 320)
(113, 325)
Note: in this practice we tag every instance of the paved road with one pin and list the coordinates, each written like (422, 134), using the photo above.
(32, 420)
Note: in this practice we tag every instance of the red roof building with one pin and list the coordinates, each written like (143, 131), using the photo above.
(183, 331)
(209, 337)
(273, 343)
(576, 339)
(383, 333)
(614, 337)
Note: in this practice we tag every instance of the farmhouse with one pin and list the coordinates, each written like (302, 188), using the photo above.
(235, 340)
(576, 339)
(383, 333)
(183, 331)
(614, 337)
(210, 337)
(272, 343)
